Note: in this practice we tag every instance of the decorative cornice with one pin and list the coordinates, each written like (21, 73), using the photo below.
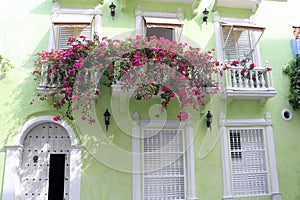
(266, 121)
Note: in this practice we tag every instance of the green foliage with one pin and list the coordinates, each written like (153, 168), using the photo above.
(5, 64)
(293, 71)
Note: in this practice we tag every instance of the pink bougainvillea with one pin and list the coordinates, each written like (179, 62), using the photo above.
(150, 66)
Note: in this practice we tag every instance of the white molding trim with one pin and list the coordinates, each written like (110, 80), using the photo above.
(250, 122)
(276, 195)
(190, 160)
(140, 13)
(22, 132)
(136, 154)
(136, 159)
(12, 174)
(162, 123)
(225, 158)
(11, 177)
(75, 173)
(97, 12)
(267, 123)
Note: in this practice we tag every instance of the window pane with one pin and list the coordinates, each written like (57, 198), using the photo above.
(248, 162)
(238, 44)
(163, 164)
(160, 32)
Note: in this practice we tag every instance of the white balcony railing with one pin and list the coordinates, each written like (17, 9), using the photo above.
(252, 84)
(53, 81)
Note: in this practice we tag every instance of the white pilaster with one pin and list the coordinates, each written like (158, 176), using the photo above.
(225, 157)
(139, 25)
(136, 171)
(98, 20)
(75, 172)
(276, 195)
(11, 182)
(189, 139)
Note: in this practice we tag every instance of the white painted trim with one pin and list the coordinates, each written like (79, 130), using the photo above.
(139, 25)
(22, 132)
(225, 158)
(75, 173)
(97, 12)
(218, 38)
(136, 154)
(11, 179)
(161, 123)
(276, 195)
(249, 122)
(270, 150)
(140, 13)
(136, 161)
(190, 162)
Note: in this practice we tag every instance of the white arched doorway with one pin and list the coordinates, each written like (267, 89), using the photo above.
(38, 145)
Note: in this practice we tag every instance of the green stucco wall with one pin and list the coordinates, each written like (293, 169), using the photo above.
(25, 28)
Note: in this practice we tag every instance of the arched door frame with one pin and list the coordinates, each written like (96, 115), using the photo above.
(12, 174)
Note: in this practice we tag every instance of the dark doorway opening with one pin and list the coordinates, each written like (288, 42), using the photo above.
(56, 177)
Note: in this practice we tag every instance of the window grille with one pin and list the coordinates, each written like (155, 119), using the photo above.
(164, 174)
(248, 162)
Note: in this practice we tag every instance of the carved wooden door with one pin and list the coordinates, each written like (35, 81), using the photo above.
(42, 141)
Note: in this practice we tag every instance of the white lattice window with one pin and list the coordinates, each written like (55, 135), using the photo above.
(163, 162)
(248, 162)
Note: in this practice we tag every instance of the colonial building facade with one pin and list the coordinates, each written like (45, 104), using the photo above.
(246, 149)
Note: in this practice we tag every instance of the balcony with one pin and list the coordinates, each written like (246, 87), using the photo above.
(255, 84)
(53, 81)
(244, 4)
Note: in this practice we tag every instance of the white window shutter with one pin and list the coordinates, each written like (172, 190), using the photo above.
(85, 31)
(66, 32)
(237, 44)
(164, 174)
(248, 162)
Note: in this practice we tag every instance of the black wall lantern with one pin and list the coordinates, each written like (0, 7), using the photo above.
(112, 9)
(209, 117)
(106, 118)
(205, 15)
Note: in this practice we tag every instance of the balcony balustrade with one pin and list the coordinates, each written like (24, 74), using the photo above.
(257, 83)
(51, 81)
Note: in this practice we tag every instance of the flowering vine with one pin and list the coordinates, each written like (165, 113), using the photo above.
(148, 66)
(245, 74)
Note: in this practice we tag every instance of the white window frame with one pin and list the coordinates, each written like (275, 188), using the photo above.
(137, 169)
(172, 19)
(219, 36)
(180, 131)
(12, 174)
(244, 162)
(266, 124)
(56, 11)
